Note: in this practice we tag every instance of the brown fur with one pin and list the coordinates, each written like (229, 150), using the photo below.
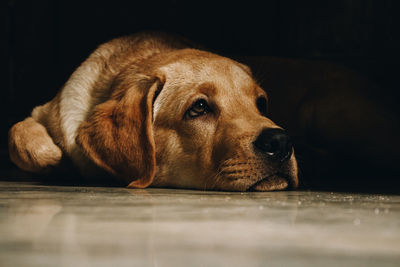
(139, 90)
(31, 147)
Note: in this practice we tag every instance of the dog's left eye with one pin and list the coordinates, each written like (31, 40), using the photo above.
(200, 107)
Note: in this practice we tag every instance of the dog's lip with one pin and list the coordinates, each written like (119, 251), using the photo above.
(273, 182)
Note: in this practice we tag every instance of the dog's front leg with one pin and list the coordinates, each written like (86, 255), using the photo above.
(31, 148)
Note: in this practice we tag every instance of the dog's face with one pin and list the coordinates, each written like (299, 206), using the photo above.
(203, 125)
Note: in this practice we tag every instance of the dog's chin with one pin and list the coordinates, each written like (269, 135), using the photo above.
(271, 183)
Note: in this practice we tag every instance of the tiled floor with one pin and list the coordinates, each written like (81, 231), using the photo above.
(96, 226)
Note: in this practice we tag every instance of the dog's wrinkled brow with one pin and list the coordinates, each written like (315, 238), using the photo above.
(207, 88)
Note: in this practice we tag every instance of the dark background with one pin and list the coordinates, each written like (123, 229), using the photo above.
(42, 42)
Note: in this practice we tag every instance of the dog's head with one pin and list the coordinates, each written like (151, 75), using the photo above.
(189, 119)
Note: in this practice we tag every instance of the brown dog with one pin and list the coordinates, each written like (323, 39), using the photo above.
(152, 111)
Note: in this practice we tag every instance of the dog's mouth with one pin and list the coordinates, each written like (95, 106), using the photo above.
(274, 182)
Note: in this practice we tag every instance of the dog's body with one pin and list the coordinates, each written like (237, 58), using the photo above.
(150, 110)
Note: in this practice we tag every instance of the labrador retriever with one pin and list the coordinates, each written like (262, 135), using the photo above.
(151, 110)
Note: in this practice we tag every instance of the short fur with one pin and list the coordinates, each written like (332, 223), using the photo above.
(123, 111)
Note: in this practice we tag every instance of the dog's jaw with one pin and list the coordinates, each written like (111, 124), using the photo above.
(271, 183)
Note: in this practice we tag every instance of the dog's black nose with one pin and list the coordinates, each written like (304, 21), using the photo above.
(275, 144)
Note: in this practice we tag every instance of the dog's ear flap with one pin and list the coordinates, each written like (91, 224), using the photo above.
(118, 134)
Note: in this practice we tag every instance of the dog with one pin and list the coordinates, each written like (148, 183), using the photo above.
(153, 110)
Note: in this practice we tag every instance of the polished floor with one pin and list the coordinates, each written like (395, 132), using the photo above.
(43, 225)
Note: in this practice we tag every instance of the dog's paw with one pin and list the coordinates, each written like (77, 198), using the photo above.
(31, 148)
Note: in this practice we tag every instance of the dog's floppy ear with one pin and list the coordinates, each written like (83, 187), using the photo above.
(118, 134)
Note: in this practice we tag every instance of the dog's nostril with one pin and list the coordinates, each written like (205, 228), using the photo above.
(275, 144)
(272, 148)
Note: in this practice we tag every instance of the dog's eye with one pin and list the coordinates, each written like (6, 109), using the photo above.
(262, 105)
(200, 107)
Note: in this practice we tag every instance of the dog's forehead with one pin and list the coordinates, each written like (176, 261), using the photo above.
(224, 73)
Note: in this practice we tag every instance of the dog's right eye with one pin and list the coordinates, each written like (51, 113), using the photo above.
(262, 106)
(198, 108)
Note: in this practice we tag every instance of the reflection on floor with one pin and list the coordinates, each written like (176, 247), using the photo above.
(97, 226)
